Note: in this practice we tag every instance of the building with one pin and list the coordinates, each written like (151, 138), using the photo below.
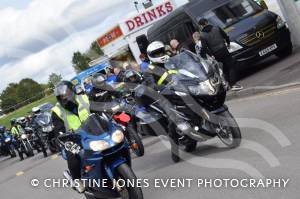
(123, 37)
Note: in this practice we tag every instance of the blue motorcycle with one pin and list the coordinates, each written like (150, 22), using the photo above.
(8, 144)
(105, 157)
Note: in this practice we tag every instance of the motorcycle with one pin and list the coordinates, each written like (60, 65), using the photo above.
(198, 94)
(104, 154)
(35, 140)
(7, 145)
(45, 128)
(24, 146)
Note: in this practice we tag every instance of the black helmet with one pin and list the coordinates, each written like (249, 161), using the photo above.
(64, 93)
(13, 121)
(2, 129)
(99, 80)
(132, 76)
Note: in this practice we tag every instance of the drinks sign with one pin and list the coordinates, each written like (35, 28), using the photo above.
(147, 17)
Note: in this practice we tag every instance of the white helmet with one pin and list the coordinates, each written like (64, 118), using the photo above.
(36, 110)
(157, 53)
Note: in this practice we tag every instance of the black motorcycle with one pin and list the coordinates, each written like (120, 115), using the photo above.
(35, 141)
(198, 94)
(24, 145)
(45, 128)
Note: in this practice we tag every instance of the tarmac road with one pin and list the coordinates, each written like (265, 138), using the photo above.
(269, 153)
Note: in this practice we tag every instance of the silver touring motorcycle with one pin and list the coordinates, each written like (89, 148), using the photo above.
(198, 92)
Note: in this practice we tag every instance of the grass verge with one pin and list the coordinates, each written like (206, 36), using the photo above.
(25, 110)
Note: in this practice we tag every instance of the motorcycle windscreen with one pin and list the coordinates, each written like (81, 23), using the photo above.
(44, 119)
(96, 125)
(190, 62)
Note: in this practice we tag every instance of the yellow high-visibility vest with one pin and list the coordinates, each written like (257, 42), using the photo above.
(72, 121)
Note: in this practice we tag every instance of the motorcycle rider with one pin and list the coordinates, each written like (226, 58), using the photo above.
(16, 128)
(155, 77)
(132, 76)
(36, 111)
(16, 131)
(67, 115)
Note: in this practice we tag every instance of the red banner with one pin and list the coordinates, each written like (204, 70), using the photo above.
(110, 36)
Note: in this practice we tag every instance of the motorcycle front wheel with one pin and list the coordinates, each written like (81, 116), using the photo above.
(136, 143)
(126, 173)
(229, 131)
(29, 152)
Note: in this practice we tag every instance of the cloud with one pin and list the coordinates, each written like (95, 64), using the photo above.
(41, 37)
(46, 22)
(55, 58)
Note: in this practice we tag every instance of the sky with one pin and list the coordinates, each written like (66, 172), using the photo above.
(38, 37)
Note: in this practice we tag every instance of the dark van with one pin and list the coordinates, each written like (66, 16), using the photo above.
(255, 32)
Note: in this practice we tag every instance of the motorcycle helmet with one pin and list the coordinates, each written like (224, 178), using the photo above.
(36, 110)
(2, 129)
(13, 121)
(157, 53)
(132, 76)
(99, 80)
(22, 121)
(64, 93)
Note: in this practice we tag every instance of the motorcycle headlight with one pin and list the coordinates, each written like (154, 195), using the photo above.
(99, 145)
(47, 129)
(181, 94)
(280, 22)
(7, 140)
(203, 88)
(117, 136)
(23, 136)
(234, 47)
(116, 108)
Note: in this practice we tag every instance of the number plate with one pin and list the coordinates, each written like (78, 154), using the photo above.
(267, 50)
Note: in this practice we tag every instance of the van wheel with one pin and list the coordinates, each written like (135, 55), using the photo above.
(285, 52)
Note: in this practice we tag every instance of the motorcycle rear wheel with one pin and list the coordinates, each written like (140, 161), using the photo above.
(126, 173)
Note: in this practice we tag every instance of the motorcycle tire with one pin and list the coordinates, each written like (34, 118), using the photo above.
(21, 156)
(126, 173)
(191, 146)
(13, 154)
(89, 197)
(29, 152)
(44, 152)
(52, 149)
(136, 143)
(235, 133)
(174, 139)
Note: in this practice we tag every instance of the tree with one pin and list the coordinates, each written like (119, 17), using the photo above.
(17, 95)
(80, 61)
(9, 97)
(95, 47)
(53, 80)
(28, 88)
